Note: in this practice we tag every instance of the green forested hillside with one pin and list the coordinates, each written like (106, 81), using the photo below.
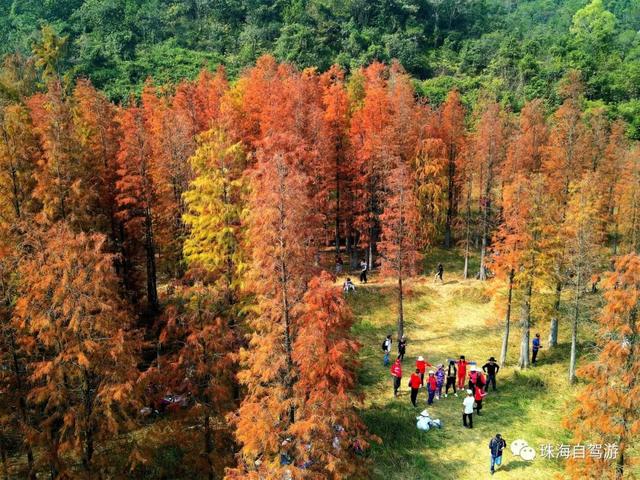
(516, 49)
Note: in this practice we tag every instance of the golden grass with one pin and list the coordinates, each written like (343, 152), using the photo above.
(442, 322)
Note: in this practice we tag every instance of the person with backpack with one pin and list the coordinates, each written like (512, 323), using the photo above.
(462, 372)
(386, 348)
(491, 369)
(414, 384)
(396, 373)
(451, 379)
(496, 445)
(402, 347)
(432, 387)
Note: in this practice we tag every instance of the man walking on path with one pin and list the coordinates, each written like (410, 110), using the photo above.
(467, 410)
(496, 445)
(386, 348)
(451, 379)
(414, 384)
(491, 369)
(439, 273)
(396, 373)
(535, 344)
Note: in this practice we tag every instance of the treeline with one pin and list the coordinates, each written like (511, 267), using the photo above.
(174, 254)
(518, 50)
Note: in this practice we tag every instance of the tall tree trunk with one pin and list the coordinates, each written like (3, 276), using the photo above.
(553, 329)
(152, 292)
(525, 325)
(507, 322)
(450, 198)
(400, 308)
(337, 220)
(574, 329)
(467, 243)
(486, 210)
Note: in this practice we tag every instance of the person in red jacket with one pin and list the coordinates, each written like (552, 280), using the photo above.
(462, 371)
(432, 386)
(415, 383)
(396, 373)
(479, 395)
(421, 365)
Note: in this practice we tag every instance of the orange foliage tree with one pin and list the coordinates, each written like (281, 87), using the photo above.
(452, 131)
(82, 353)
(607, 412)
(136, 198)
(19, 156)
(399, 246)
(489, 145)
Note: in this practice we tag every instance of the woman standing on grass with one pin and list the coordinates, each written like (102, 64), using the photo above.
(451, 378)
(462, 372)
(402, 347)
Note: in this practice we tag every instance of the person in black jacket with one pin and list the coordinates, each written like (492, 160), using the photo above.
(451, 378)
(491, 369)
(402, 347)
(496, 445)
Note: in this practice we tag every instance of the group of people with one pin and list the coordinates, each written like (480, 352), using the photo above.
(454, 377)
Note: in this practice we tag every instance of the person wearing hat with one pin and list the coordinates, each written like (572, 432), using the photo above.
(422, 364)
(496, 445)
(491, 369)
(396, 373)
(451, 378)
(414, 384)
(432, 386)
(467, 410)
(476, 378)
(462, 372)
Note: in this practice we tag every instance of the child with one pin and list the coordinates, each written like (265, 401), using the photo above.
(439, 380)
(479, 395)
(348, 286)
(396, 373)
(386, 348)
(432, 386)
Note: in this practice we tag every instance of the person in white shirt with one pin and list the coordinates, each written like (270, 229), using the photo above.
(467, 409)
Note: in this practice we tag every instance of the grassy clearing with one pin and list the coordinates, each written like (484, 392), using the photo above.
(445, 321)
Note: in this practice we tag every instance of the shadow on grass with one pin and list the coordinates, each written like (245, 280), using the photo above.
(514, 465)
